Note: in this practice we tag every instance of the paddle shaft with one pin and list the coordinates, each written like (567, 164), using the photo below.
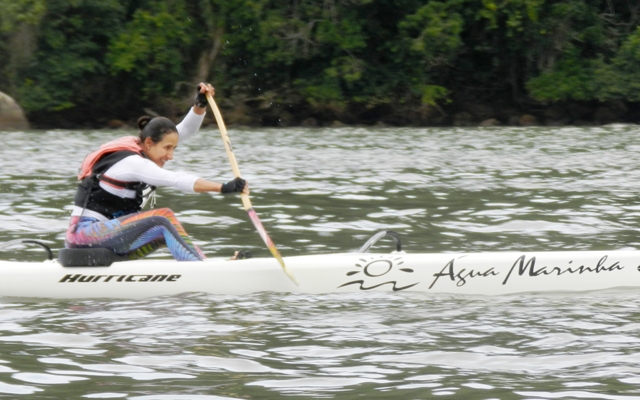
(227, 146)
(245, 198)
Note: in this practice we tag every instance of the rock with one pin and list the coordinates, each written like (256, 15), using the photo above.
(490, 122)
(478, 110)
(579, 111)
(238, 115)
(556, 115)
(507, 114)
(463, 119)
(619, 107)
(285, 118)
(558, 122)
(610, 112)
(11, 114)
(604, 115)
(513, 120)
(116, 124)
(556, 112)
(309, 122)
(527, 120)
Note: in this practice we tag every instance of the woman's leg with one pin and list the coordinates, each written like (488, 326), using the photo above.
(135, 235)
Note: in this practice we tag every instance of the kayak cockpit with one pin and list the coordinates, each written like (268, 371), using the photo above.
(101, 257)
(89, 257)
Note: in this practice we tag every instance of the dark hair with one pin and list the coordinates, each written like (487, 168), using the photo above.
(155, 128)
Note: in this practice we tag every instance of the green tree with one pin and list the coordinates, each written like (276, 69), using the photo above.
(579, 56)
(152, 51)
(68, 68)
(18, 22)
(357, 60)
(620, 79)
(431, 40)
(336, 55)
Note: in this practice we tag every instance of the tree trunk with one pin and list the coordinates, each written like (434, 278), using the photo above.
(22, 45)
(208, 57)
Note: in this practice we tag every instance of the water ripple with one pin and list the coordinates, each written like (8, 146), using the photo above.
(443, 190)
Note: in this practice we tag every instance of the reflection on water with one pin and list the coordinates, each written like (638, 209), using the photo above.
(326, 190)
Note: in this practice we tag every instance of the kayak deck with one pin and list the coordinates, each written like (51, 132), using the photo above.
(489, 273)
(474, 273)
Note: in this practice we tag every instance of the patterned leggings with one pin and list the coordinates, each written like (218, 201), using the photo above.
(135, 235)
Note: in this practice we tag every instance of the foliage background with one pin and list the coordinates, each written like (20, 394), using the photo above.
(73, 63)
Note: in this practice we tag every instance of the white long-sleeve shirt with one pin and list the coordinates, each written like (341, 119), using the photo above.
(136, 168)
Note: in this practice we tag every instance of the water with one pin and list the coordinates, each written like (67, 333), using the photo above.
(327, 190)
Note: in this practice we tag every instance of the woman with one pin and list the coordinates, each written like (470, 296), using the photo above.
(107, 211)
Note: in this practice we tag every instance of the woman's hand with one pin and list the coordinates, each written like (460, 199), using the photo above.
(237, 185)
(200, 103)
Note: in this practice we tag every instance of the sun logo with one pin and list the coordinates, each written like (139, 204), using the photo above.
(379, 268)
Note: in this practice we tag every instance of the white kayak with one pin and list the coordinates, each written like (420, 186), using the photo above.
(490, 273)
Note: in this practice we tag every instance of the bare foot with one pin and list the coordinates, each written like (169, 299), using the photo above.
(241, 255)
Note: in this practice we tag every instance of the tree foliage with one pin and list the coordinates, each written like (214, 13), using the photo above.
(69, 62)
(149, 52)
(328, 57)
(18, 19)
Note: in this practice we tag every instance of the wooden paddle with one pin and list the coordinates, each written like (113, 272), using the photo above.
(245, 198)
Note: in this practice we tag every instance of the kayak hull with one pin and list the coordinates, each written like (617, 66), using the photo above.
(491, 273)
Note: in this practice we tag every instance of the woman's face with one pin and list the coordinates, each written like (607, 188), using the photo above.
(162, 151)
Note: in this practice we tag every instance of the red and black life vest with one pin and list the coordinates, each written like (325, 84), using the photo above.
(92, 197)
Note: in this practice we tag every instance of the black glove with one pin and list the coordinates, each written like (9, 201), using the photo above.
(201, 98)
(236, 185)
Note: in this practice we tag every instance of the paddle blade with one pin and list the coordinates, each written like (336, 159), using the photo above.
(267, 240)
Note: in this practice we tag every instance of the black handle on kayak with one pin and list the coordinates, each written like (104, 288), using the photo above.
(29, 241)
(379, 236)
